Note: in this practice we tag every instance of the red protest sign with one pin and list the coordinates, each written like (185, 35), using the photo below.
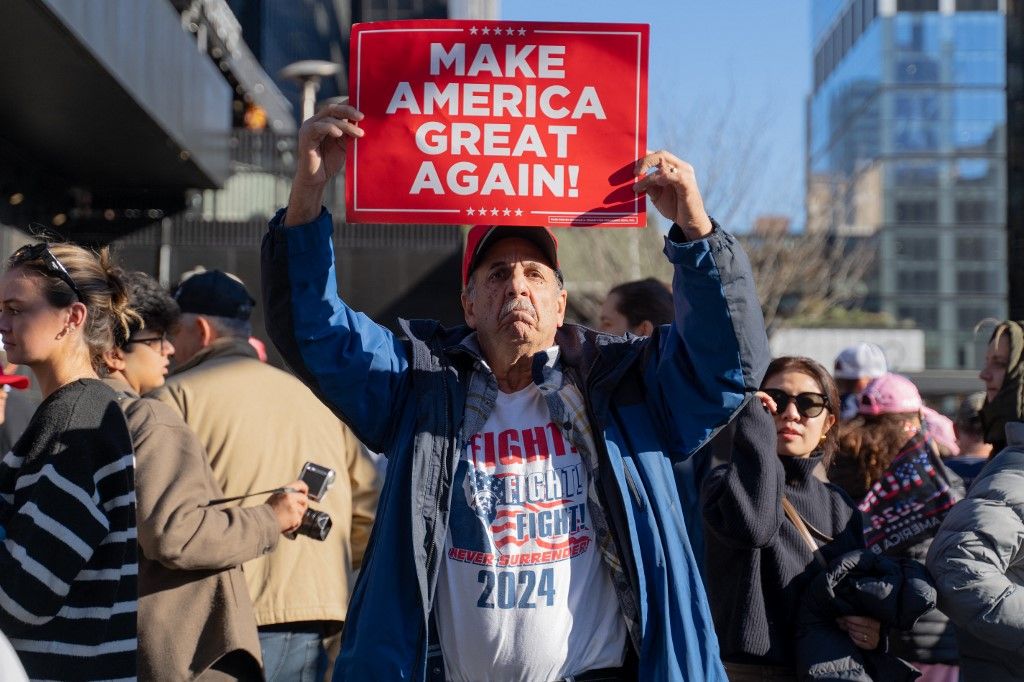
(495, 122)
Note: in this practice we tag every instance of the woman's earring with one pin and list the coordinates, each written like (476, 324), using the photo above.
(821, 441)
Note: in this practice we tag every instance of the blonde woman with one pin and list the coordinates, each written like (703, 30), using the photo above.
(67, 499)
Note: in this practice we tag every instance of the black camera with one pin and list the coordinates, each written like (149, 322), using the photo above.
(316, 524)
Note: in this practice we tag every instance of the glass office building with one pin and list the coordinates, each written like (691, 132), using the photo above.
(907, 149)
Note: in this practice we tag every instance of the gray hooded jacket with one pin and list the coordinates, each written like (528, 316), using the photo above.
(977, 560)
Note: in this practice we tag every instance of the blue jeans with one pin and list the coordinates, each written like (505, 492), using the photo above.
(293, 656)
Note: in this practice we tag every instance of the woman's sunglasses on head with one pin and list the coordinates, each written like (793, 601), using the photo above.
(41, 252)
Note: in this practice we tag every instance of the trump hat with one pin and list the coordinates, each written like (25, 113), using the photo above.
(483, 237)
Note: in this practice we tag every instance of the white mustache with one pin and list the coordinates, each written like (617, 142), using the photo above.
(517, 304)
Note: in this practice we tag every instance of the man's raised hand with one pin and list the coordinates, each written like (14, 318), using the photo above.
(672, 185)
(319, 157)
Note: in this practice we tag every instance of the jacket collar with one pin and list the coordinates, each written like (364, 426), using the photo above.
(801, 470)
(120, 387)
(578, 347)
(221, 348)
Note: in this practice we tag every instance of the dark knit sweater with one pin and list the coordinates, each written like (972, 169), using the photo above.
(757, 565)
(68, 564)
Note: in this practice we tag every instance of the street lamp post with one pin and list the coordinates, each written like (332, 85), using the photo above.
(308, 73)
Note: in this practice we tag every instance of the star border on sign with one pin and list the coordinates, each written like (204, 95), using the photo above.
(473, 30)
(506, 212)
(509, 31)
(519, 212)
(471, 211)
(486, 30)
(494, 211)
(522, 31)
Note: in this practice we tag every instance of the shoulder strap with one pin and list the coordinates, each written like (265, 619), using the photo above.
(801, 528)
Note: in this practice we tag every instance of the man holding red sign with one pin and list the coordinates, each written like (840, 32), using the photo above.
(530, 527)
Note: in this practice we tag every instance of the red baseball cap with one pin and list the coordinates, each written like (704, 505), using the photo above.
(482, 237)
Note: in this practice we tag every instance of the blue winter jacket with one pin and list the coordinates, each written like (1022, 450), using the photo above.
(655, 400)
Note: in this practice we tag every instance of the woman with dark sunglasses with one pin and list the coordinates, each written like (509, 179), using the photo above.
(781, 445)
(67, 495)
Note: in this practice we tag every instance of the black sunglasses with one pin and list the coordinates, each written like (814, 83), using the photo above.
(41, 252)
(809, 405)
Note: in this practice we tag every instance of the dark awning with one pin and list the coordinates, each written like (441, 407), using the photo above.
(108, 108)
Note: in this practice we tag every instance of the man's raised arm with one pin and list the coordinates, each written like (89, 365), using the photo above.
(357, 367)
(717, 351)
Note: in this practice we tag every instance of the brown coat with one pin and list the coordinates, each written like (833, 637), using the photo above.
(259, 426)
(194, 606)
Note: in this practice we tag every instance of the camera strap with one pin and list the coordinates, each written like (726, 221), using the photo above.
(275, 491)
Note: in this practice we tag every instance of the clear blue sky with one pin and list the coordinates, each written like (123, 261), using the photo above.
(742, 66)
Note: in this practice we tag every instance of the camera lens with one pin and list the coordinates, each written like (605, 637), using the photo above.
(315, 524)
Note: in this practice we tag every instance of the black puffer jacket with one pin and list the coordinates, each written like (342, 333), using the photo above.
(933, 637)
(896, 592)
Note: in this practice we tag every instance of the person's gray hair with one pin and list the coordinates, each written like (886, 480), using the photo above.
(230, 327)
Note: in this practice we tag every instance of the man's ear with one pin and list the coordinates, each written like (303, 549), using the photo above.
(563, 304)
(207, 334)
(114, 359)
(467, 310)
(645, 328)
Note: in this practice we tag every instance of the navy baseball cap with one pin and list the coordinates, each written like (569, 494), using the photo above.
(214, 293)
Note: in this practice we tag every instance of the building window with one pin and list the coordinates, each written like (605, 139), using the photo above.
(869, 11)
(917, 5)
(975, 173)
(977, 5)
(916, 174)
(969, 316)
(976, 248)
(977, 281)
(915, 135)
(923, 281)
(926, 317)
(974, 211)
(917, 248)
(916, 211)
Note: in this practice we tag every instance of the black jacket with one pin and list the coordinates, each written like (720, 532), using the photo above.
(894, 592)
(757, 565)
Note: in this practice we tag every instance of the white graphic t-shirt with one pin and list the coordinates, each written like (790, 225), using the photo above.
(523, 593)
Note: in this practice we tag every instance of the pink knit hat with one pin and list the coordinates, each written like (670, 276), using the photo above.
(888, 394)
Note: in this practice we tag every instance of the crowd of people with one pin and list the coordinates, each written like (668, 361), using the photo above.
(656, 499)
